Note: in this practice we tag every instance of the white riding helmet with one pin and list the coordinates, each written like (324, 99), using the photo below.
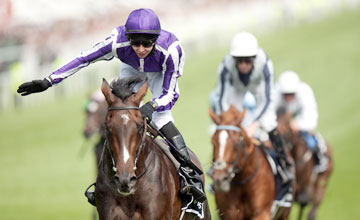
(244, 44)
(288, 82)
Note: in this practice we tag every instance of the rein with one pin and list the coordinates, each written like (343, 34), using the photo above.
(106, 144)
(233, 170)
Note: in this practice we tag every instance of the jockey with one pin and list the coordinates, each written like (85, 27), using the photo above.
(297, 98)
(143, 48)
(248, 69)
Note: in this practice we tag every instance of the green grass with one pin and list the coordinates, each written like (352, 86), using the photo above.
(42, 175)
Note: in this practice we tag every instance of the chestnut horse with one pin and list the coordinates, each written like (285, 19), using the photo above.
(310, 186)
(244, 184)
(136, 180)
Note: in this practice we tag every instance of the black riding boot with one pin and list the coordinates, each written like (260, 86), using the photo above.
(193, 181)
(279, 147)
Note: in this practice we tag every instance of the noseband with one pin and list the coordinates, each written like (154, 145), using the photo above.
(106, 145)
(234, 168)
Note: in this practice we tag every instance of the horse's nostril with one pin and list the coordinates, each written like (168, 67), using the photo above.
(133, 179)
(117, 178)
(87, 134)
(124, 181)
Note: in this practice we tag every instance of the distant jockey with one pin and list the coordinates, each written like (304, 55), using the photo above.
(297, 98)
(143, 48)
(247, 68)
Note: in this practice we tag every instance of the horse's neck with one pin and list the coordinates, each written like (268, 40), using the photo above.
(151, 155)
(147, 156)
(300, 147)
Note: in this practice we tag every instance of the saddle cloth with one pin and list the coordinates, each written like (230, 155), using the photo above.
(188, 203)
(283, 195)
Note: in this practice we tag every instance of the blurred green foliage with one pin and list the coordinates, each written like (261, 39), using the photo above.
(44, 168)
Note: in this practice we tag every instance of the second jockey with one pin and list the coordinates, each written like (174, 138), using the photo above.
(297, 98)
(247, 68)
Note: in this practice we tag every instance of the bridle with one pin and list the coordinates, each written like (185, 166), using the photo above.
(235, 167)
(140, 147)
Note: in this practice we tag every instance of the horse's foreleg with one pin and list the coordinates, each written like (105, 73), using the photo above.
(320, 189)
(301, 211)
(189, 216)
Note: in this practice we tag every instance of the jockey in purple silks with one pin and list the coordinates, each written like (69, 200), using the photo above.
(143, 48)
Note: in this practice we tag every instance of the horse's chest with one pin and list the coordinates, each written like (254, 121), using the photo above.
(119, 213)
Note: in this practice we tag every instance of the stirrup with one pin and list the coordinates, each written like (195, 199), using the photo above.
(285, 172)
(90, 195)
(192, 184)
(289, 175)
(198, 194)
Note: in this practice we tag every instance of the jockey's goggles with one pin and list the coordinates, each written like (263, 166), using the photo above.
(247, 60)
(145, 43)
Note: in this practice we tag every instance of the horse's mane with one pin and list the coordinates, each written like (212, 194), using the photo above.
(123, 88)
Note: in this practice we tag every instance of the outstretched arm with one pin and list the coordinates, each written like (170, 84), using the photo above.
(101, 51)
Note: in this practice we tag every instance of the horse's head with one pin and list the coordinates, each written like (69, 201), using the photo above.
(125, 130)
(231, 147)
(292, 139)
(96, 110)
(284, 126)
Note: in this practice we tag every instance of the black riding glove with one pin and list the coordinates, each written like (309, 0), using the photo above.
(147, 110)
(33, 87)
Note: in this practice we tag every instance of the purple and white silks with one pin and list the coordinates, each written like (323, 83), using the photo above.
(167, 58)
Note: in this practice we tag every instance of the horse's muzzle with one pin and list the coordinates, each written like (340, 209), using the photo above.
(125, 184)
(221, 181)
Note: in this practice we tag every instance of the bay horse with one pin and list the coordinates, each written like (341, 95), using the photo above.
(96, 110)
(244, 184)
(136, 180)
(310, 186)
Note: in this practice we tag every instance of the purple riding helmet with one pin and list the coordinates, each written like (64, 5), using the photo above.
(143, 22)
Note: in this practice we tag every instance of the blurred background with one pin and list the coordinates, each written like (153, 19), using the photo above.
(46, 163)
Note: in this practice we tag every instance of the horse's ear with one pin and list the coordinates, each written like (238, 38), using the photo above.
(214, 117)
(139, 95)
(106, 90)
(237, 115)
